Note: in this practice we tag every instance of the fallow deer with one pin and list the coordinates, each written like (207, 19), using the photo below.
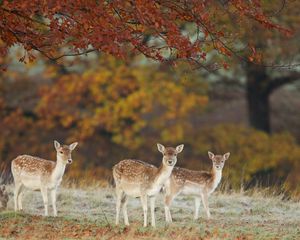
(3, 198)
(199, 184)
(139, 179)
(40, 174)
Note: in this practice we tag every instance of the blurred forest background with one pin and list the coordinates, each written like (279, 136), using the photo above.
(120, 109)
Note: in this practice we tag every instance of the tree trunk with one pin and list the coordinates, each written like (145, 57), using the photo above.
(259, 110)
(258, 98)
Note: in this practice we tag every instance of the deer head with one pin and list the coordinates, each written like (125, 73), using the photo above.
(218, 160)
(64, 152)
(169, 154)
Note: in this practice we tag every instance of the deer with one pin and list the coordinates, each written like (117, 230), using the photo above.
(136, 178)
(3, 198)
(199, 184)
(41, 175)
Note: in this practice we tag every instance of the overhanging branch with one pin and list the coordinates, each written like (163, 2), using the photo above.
(280, 81)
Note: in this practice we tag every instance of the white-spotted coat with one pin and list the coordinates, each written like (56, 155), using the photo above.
(39, 174)
(136, 178)
(199, 184)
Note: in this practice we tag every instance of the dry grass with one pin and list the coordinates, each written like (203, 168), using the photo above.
(89, 213)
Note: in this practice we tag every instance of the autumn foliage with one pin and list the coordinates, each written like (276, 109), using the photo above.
(258, 160)
(110, 109)
(116, 103)
(116, 110)
(120, 101)
(160, 30)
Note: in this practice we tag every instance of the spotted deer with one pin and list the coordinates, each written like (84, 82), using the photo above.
(40, 174)
(139, 179)
(199, 184)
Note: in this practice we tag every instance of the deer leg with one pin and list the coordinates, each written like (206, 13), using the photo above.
(125, 201)
(168, 201)
(45, 199)
(18, 186)
(197, 205)
(53, 200)
(152, 206)
(171, 191)
(145, 208)
(119, 194)
(20, 197)
(205, 204)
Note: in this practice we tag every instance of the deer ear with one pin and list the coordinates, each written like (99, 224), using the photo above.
(226, 155)
(161, 148)
(56, 144)
(73, 146)
(211, 155)
(179, 148)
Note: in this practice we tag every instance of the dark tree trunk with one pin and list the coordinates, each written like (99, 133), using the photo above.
(260, 86)
(258, 98)
(258, 109)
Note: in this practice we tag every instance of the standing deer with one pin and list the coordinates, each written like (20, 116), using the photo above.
(199, 184)
(139, 179)
(40, 174)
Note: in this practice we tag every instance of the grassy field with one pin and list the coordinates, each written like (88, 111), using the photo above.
(89, 214)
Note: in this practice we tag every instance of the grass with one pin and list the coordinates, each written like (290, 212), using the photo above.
(89, 214)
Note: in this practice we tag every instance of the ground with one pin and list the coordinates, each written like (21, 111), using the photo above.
(89, 214)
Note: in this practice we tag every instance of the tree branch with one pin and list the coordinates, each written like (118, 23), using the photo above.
(74, 54)
(15, 12)
(280, 81)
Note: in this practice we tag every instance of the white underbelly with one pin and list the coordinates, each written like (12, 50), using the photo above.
(154, 190)
(31, 182)
(131, 189)
(191, 190)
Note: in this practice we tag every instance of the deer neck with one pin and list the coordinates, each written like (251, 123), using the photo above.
(216, 175)
(164, 172)
(58, 170)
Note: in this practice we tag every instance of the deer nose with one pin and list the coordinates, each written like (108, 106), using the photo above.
(69, 160)
(170, 162)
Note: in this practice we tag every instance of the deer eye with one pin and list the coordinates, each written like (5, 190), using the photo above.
(61, 152)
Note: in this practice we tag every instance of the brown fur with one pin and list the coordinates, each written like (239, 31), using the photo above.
(133, 170)
(199, 184)
(170, 151)
(139, 179)
(39, 174)
(34, 165)
(181, 175)
(3, 198)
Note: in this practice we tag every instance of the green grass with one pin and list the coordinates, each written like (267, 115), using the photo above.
(90, 213)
